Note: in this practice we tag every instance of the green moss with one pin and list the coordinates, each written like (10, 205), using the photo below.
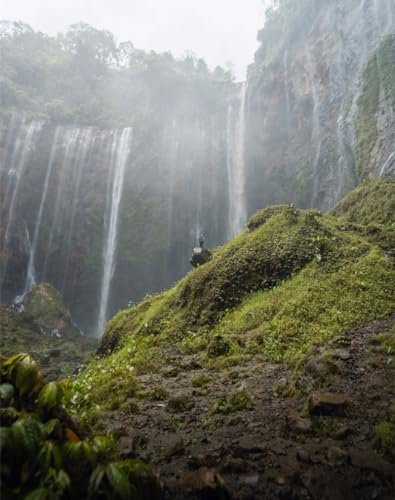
(201, 380)
(238, 401)
(384, 438)
(386, 63)
(44, 305)
(368, 103)
(180, 403)
(324, 426)
(372, 202)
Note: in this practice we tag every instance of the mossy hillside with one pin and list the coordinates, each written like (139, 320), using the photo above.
(284, 242)
(370, 210)
(348, 281)
(373, 202)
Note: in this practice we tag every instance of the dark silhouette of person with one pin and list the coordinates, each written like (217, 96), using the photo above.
(201, 240)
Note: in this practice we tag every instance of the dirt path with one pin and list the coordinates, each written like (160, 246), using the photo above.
(277, 448)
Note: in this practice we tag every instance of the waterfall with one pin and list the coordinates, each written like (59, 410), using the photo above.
(119, 156)
(16, 168)
(28, 250)
(31, 272)
(235, 165)
(70, 144)
(82, 155)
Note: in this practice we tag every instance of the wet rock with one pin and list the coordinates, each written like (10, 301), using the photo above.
(247, 445)
(321, 366)
(249, 479)
(370, 461)
(234, 465)
(343, 354)
(337, 456)
(200, 256)
(327, 403)
(296, 423)
(175, 448)
(202, 484)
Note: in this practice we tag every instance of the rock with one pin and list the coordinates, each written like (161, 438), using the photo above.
(200, 256)
(327, 403)
(316, 367)
(249, 479)
(370, 461)
(176, 448)
(337, 456)
(126, 447)
(296, 423)
(234, 465)
(247, 445)
(342, 354)
(202, 484)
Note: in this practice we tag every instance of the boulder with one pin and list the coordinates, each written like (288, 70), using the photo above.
(327, 403)
(200, 256)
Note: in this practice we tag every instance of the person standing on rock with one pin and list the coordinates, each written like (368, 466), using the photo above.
(201, 240)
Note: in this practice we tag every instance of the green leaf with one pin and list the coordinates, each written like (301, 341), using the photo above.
(96, 479)
(9, 364)
(53, 428)
(89, 452)
(27, 435)
(26, 375)
(118, 480)
(50, 396)
(6, 394)
(38, 494)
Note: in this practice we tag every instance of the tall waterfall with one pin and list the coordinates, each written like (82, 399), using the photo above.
(31, 273)
(235, 163)
(14, 168)
(119, 155)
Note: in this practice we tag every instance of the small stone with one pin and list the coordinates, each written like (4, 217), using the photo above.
(247, 445)
(342, 354)
(337, 456)
(249, 479)
(176, 448)
(296, 423)
(303, 456)
(234, 465)
(327, 403)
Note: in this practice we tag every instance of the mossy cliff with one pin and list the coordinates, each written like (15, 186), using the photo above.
(292, 279)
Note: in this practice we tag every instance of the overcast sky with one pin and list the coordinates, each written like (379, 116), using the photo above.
(220, 31)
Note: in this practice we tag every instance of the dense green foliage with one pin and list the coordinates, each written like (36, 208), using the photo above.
(83, 76)
(293, 279)
(42, 454)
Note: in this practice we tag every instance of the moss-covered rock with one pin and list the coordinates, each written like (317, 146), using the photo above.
(45, 308)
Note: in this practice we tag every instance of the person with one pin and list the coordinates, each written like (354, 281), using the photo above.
(201, 240)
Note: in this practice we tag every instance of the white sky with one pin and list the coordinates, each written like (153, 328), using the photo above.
(220, 31)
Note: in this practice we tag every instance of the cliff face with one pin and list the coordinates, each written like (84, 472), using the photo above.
(321, 101)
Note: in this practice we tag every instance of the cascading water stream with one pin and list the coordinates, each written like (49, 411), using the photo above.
(70, 144)
(31, 272)
(18, 162)
(82, 155)
(120, 154)
(235, 160)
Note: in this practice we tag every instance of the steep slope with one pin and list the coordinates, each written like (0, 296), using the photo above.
(214, 374)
